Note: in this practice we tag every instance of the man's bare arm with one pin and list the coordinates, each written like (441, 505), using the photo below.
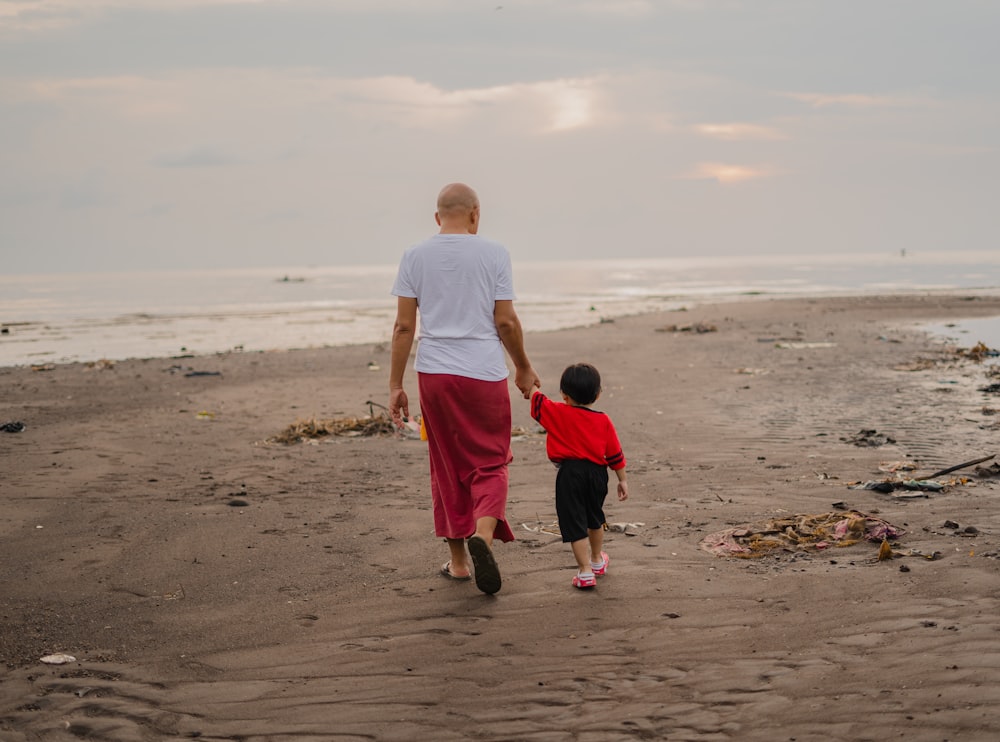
(512, 336)
(403, 332)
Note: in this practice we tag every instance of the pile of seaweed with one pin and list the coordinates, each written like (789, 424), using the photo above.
(800, 532)
(370, 425)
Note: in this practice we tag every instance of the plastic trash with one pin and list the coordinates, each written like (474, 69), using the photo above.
(57, 659)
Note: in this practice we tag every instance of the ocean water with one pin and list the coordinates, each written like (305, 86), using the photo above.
(59, 318)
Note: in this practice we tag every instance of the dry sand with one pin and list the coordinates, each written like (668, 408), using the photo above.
(314, 611)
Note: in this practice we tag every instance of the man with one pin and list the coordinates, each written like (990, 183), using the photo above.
(463, 287)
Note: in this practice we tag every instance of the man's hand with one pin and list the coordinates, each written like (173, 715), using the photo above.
(526, 381)
(399, 406)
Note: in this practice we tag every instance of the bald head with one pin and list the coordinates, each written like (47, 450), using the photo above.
(456, 197)
(458, 209)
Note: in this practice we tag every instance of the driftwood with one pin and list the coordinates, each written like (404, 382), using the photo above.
(963, 465)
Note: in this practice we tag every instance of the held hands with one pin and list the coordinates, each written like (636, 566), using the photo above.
(526, 380)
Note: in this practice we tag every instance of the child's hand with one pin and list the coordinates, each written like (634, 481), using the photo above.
(622, 491)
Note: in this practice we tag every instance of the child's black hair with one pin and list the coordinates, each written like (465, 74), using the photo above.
(581, 382)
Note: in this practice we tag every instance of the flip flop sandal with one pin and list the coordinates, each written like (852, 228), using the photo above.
(487, 572)
(446, 572)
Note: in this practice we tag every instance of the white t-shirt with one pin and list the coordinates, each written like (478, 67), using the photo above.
(456, 280)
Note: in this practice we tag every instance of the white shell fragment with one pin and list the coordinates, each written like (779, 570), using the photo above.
(57, 659)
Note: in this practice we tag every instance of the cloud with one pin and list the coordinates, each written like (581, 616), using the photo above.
(41, 15)
(625, 8)
(538, 107)
(853, 100)
(727, 174)
(739, 132)
(198, 157)
(131, 95)
(86, 191)
(202, 97)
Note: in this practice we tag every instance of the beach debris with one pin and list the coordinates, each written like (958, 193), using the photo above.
(869, 438)
(205, 415)
(372, 366)
(977, 352)
(629, 529)
(312, 429)
(802, 532)
(884, 551)
(993, 470)
(908, 488)
(538, 527)
(752, 371)
(921, 364)
(188, 370)
(57, 659)
(103, 364)
(698, 328)
(891, 553)
(912, 487)
(963, 465)
(894, 466)
(177, 594)
(990, 388)
(43, 366)
(15, 426)
(801, 345)
(413, 427)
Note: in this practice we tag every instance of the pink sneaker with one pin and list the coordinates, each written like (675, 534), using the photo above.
(603, 568)
(584, 581)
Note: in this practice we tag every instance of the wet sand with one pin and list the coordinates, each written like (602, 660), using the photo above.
(213, 585)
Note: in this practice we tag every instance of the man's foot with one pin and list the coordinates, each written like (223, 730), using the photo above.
(446, 572)
(601, 567)
(484, 565)
(584, 582)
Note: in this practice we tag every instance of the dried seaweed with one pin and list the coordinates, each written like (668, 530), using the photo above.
(800, 533)
(314, 428)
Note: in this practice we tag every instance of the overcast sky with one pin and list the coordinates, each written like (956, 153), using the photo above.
(182, 134)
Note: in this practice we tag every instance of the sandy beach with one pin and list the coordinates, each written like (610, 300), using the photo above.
(212, 583)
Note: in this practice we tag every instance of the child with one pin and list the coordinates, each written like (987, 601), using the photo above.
(582, 443)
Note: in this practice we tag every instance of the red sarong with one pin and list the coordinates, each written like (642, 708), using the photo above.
(468, 439)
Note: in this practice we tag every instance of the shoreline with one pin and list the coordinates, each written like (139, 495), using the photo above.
(315, 606)
(203, 326)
